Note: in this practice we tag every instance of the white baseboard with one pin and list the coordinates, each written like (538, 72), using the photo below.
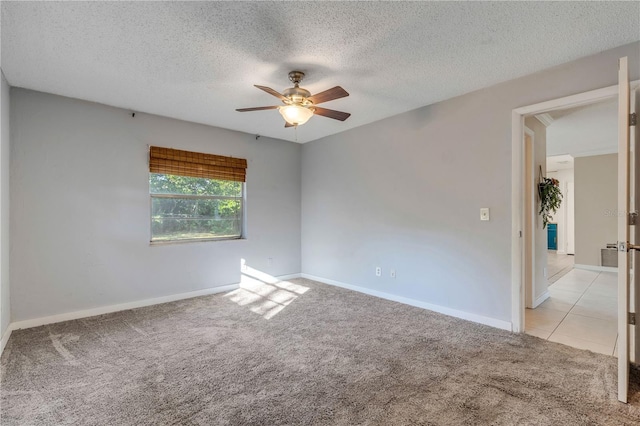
(36, 322)
(544, 296)
(5, 338)
(52, 319)
(505, 325)
(596, 268)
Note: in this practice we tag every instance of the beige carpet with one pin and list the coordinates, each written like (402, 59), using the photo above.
(301, 353)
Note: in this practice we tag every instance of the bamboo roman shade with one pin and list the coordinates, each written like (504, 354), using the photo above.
(195, 164)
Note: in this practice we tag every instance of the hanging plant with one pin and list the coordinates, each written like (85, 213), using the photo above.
(550, 198)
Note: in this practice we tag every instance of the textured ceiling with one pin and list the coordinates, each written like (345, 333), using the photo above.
(198, 61)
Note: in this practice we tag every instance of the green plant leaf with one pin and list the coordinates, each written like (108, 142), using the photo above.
(550, 199)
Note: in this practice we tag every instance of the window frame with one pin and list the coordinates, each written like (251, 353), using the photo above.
(242, 213)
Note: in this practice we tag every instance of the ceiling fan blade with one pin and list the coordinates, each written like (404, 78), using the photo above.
(329, 95)
(287, 124)
(256, 108)
(336, 115)
(271, 92)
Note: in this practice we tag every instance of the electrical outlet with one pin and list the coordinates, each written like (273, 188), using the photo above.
(484, 213)
(392, 274)
(378, 271)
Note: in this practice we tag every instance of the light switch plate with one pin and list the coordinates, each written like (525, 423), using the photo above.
(484, 213)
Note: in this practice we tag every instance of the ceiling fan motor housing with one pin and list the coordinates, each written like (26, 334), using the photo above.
(297, 95)
(296, 77)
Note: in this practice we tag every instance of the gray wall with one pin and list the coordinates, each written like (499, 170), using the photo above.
(5, 303)
(405, 192)
(80, 207)
(596, 204)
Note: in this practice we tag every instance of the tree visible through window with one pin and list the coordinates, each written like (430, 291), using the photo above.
(185, 207)
(195, 196)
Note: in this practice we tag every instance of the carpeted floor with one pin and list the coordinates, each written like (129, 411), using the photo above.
(300, 353)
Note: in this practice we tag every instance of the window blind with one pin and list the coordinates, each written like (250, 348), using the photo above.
(195, 164)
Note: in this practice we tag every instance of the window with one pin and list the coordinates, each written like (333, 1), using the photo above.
(194, 196)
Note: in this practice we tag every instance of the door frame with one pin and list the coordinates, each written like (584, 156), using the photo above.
(518, 190)
(529, 224)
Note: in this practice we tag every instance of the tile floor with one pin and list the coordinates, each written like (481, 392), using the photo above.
(581, 312)
(558, 265)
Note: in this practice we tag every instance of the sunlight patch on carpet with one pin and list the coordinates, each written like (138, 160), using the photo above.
(264, 294)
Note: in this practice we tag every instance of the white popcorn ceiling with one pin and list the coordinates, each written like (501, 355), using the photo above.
(198, 61)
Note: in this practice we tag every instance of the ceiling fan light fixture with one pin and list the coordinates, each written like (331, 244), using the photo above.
(295, 114)
(299, 105)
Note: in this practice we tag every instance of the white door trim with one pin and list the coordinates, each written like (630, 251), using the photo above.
(623, 228)
(517, 183)
(530, 227)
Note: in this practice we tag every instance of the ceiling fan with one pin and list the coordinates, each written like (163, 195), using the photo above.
(299, 106)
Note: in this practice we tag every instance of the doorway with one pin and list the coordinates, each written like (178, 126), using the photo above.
(626, 280)
(519, 178)
(576, 147)
(560, 232)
